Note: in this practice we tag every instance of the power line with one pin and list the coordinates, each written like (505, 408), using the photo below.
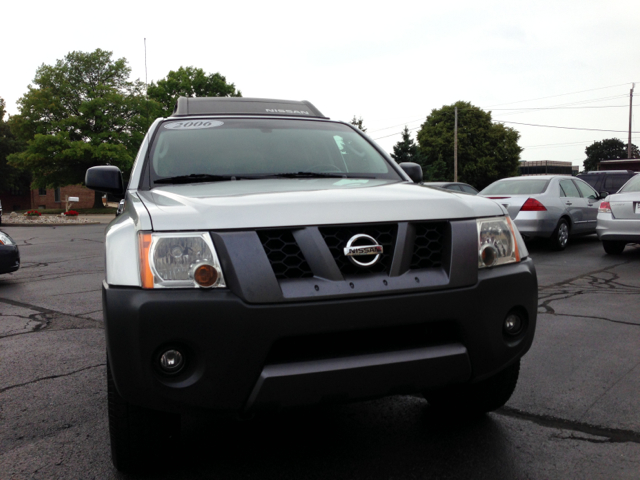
(565, 128)
(561, 95)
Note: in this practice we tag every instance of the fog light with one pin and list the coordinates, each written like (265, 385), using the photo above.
(172, 361)
(512, 324)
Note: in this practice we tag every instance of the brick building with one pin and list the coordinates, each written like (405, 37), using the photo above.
(51, 198)
(620, 164)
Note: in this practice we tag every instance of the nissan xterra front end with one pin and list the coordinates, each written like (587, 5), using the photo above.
(269, 257)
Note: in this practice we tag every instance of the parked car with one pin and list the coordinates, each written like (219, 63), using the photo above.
(9, 254)
(619, 218)
(269, 257)
(553, 207)
(0, 212)
(607, 181)
(454, 186)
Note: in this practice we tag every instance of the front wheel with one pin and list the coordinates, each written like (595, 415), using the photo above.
(560, 236)
(137, 433)
(613, 247)
(478, 398)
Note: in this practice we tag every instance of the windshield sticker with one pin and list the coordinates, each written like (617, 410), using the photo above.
(193, 125)
(350, 181)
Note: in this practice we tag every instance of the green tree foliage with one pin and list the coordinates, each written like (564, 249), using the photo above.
(608, 149)
(358, 122)
(486, 151)
(188, 82)
(406, 150)
(81, 112)
(9, 176)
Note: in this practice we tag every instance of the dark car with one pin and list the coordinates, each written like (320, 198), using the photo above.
(609, 181)
(453, 186)
(9, 254)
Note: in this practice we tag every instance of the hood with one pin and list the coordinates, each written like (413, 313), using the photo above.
(300, 202)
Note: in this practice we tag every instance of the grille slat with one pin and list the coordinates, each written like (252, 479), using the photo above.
(284, 254)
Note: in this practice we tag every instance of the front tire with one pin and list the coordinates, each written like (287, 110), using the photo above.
(560, 236)
(477, 398)
(136, 432)
(613, 247)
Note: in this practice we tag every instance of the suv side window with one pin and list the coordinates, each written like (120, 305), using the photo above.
(586, 190)
(613, 182)
(568, 189)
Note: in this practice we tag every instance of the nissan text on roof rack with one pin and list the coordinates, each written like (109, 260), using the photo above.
(269, 257)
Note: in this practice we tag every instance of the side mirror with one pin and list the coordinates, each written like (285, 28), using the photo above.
(413, 170)
(604, 194)
(105, 178)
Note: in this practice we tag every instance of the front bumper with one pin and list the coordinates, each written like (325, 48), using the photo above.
(9, 258)
(250, 356)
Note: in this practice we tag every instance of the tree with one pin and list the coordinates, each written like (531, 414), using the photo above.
(406, 150)
(9, 176)
(608, 149)
(189, 82)
(358, 122)
(486, 151)
(81, 112)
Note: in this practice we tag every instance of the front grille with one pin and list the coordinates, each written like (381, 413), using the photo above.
(337, 238)
(284, 254)
(428, 246)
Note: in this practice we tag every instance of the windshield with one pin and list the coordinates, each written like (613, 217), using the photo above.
(633, 185)
(218, 149)
(516, 187)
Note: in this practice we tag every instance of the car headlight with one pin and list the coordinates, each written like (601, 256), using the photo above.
(498, 241)
(179, 260)
(6, 239)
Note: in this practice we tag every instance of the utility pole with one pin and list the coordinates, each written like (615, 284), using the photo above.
(455, 147)
(630, 108)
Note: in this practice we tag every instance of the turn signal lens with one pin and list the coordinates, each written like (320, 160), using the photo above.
(205, 275)
(533, 205)
(605, 207)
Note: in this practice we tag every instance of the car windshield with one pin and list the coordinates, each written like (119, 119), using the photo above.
(516, 187)
(228, 149)
(633, 185)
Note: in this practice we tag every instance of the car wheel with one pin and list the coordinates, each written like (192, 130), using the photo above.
(613, 247)
(136, 432)
(560, 236)
(478, 398)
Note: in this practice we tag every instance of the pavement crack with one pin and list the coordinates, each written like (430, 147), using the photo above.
(50, 377)
(609, 435)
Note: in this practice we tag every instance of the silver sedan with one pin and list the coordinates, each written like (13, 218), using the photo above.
(619, 218)
(548, 206)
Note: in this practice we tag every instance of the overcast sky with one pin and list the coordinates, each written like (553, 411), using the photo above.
(390, 63)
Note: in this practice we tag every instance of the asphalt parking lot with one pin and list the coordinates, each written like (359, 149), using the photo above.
(574, 413)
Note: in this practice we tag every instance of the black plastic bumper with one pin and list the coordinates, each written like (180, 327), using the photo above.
(235, 361)
(9, 258)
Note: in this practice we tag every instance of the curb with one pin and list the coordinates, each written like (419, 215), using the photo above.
(5, 224)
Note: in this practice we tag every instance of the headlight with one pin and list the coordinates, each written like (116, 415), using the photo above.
(6, 239)
(179, 260)
(497, 242)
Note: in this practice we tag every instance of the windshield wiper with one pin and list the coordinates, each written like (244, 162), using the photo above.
(198, 177)
(309, 175)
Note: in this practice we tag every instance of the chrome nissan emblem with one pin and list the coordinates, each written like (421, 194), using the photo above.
(360, 245)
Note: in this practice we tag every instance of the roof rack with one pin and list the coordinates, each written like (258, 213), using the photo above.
(190, 106)
(610, 171)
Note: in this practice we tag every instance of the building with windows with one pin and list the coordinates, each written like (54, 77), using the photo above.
(620, 164)
(54, 198)
(546, 167)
